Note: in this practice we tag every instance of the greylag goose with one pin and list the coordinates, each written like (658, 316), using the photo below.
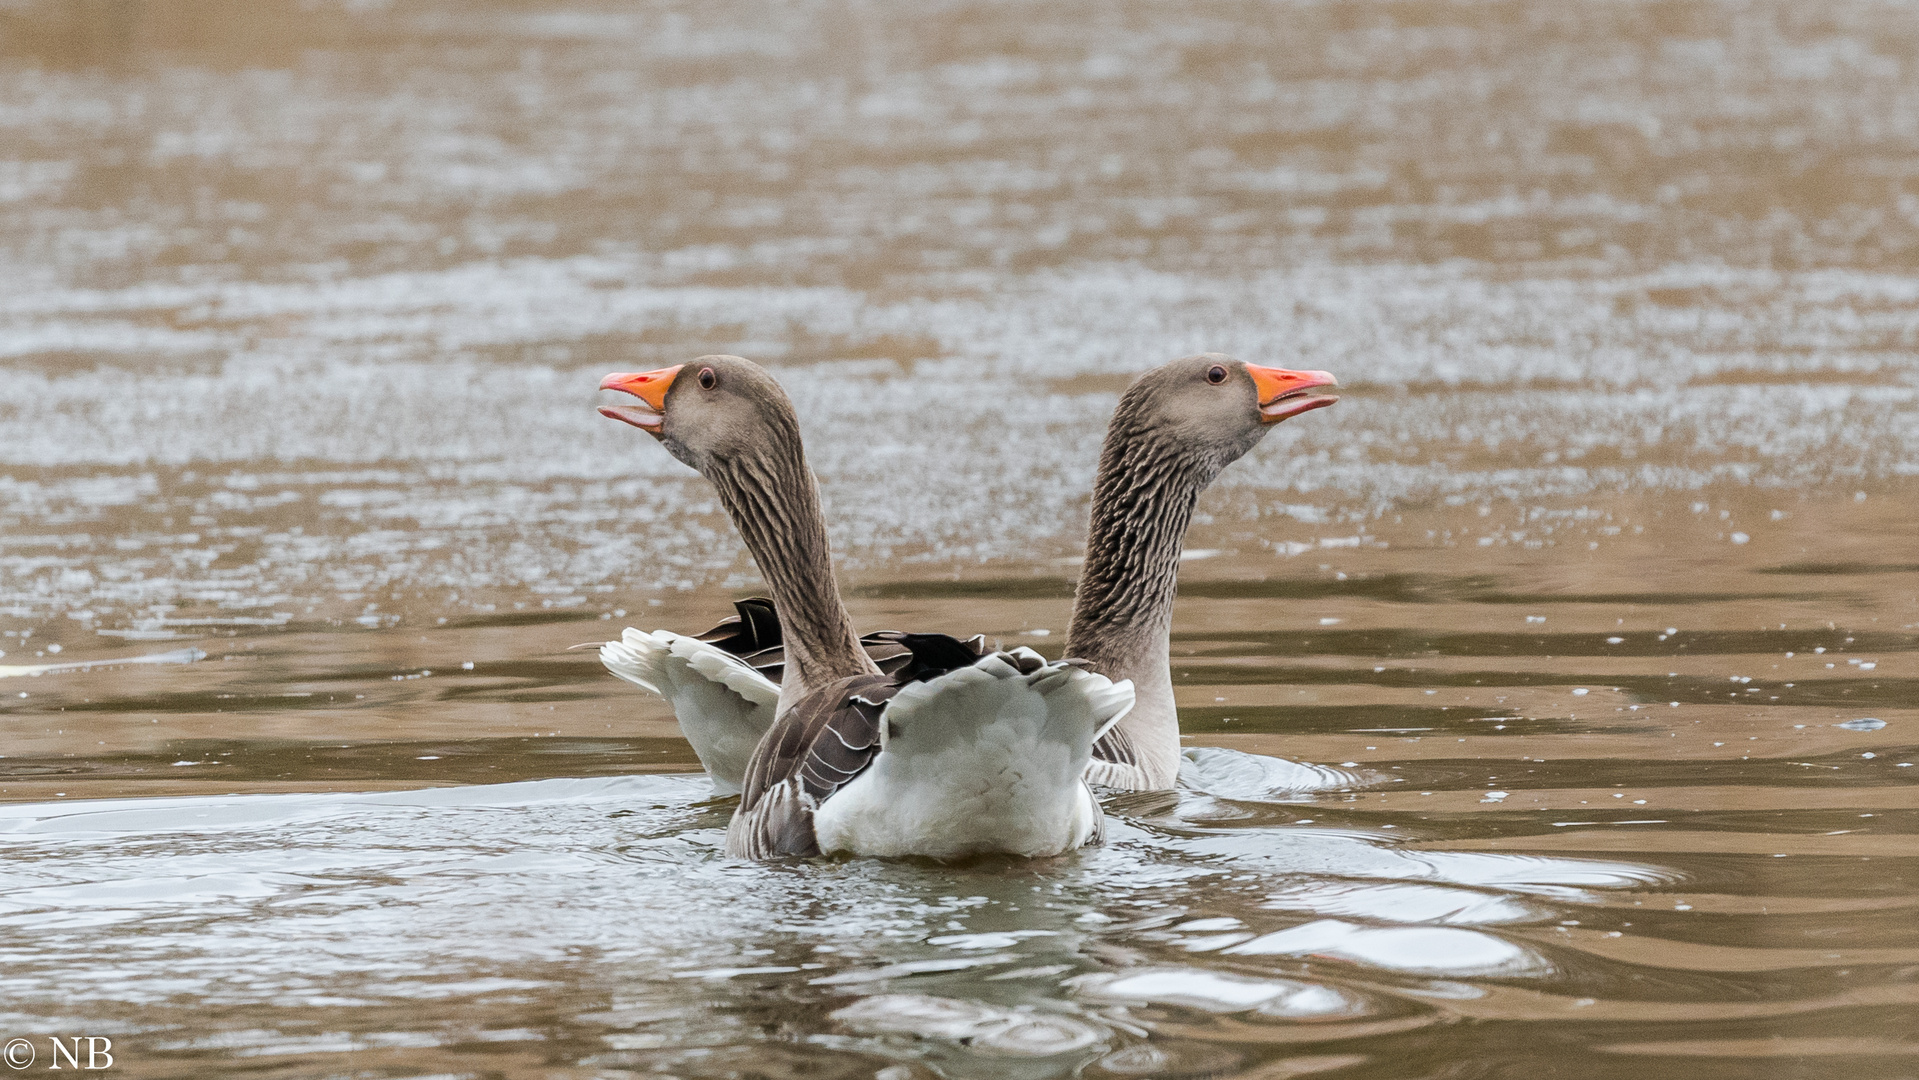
(1175, 429)
(952, 753)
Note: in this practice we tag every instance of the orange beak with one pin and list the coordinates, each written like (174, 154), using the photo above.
(1285, 393)
(650, 387)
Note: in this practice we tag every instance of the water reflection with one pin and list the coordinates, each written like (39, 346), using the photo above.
(484, 895)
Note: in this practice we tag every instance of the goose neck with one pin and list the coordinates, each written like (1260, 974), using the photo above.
(773, 500)
(1123, 608)
(1142, 505)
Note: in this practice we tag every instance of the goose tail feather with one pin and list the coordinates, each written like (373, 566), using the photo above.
(984, 758)
(638, 658)
(722, 704)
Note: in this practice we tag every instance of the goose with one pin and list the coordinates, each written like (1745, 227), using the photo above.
(954, 752)
(1176, 427)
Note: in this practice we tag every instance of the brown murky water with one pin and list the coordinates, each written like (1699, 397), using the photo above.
(1595, 604)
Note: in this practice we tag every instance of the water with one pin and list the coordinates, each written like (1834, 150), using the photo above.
(1571, 615)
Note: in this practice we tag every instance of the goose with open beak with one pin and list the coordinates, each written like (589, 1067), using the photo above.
(1177, 427)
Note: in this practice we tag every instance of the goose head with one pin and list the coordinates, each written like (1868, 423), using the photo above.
(710, 410)
(1216, 406)
(729, 420)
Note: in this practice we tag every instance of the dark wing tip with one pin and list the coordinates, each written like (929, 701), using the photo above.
(884, 649)
(762, 619)
(756, 628)
(934, 655)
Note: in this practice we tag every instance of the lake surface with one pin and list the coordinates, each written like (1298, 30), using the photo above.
(1551, 700)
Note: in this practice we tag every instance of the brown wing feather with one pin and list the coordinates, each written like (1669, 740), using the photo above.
(1115, 747)
(826, 739)
(781, 823)
(1116, 762)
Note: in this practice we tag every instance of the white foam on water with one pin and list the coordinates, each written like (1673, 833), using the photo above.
(1222, 992)
(1427, 950)
(1021, 1032)
(1406, 903)
(1232, 774)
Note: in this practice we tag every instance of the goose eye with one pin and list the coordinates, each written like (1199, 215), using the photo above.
(1215, 374)
(708, 380)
